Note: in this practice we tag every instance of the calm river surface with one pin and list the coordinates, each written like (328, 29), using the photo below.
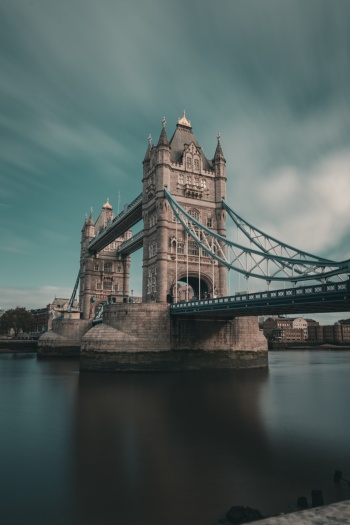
(169, 448)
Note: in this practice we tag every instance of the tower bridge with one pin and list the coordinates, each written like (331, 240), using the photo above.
(186, 254)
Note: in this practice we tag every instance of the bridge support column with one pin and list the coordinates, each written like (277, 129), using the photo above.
(64, 340)
(143, 337)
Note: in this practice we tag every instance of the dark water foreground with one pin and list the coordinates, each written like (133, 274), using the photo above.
(169, 448)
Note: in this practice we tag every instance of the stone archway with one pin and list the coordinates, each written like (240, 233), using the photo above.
(191, 288)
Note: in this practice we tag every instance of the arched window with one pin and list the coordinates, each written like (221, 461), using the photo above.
(194, 213)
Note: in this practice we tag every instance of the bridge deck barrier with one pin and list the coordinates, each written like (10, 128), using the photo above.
(321, 297)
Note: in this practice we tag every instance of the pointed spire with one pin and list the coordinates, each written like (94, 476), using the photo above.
(107, 205)
(163, 139)
(90, 220)
(183, 121)
(219, 156)
(148, 151)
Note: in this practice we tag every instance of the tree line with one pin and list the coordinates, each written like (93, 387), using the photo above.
(17, 319)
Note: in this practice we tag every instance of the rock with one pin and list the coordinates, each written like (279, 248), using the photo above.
(239, 514)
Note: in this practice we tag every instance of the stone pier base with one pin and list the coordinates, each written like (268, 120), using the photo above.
(64, 340)
(144, 337)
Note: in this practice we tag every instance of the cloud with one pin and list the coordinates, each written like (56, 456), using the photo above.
(31, 298)
(82, 85)
(311, 208)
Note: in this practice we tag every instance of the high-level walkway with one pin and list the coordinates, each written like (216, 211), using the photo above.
(130, 216)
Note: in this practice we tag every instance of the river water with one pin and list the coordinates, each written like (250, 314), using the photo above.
(170, 448)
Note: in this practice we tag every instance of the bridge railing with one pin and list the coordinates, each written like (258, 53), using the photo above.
(274, 295)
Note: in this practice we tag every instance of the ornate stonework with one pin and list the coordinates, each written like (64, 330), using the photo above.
(198, 184)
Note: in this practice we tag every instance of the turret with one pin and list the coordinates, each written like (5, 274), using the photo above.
(88, 230)
(147, 159)
(163, 139)
(219, 165)
(105, 216)
(163, 158)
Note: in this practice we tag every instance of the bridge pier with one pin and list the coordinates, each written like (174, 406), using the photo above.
(64, 340)
(144, 337)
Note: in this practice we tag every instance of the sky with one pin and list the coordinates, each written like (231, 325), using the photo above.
(83, 83)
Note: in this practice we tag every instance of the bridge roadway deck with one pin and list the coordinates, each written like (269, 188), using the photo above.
(130, 216)
(331, 297)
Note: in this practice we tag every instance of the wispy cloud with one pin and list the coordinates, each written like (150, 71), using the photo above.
(81, 89)
(30, 298)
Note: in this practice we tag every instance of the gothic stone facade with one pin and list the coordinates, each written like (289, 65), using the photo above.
(199, 185)
(103, 275)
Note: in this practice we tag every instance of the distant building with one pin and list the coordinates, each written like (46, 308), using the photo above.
(58, 308)
(288, 329)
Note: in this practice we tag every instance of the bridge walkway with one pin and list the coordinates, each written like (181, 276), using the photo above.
(131, 215)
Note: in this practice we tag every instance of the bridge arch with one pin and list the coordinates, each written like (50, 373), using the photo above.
(188, 286)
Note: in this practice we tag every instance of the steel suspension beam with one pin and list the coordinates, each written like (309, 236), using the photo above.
(265, 263)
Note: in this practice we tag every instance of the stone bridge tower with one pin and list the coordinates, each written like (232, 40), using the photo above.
(174, 268)
(103, 275)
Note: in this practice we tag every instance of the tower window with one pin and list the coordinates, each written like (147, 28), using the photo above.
(107, 285)
(194, 214)
(153, 220)
(98, 286)
(209, 222)
(189, 162)
(152, 280)
(180, 248)
(193, 248)
(96, 267)
(180, 178)
(108, 267)
(153, 249)
(196, 164)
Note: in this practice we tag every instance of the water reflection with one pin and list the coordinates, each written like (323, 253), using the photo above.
(180, 446)
(169, 448)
